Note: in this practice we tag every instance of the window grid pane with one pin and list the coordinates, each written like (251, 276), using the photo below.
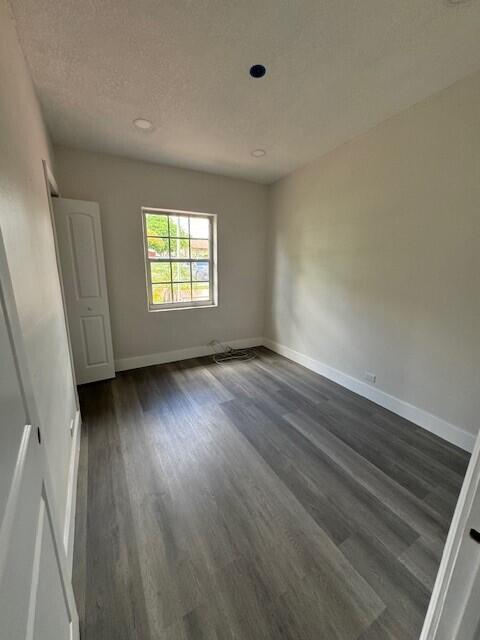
(161, 293)
(156, 225)
(161, 271)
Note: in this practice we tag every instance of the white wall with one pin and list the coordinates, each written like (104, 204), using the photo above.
(27, 233)
(374, 259)
(122, 187)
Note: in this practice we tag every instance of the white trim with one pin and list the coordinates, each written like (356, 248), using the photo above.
(37, 556)
(455, 536)
(449, 432)
(176, 307)
(51, 186)
(70, 509)
(446, 430)
(150, 359)
(50, 179)
(8, 516)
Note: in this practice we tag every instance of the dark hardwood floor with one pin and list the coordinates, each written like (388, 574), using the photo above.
(255, 500)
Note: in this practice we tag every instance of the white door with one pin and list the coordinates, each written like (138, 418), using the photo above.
(454, 610)
(80, 245)
(36, 598)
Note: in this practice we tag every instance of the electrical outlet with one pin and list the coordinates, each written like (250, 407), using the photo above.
(370, 377)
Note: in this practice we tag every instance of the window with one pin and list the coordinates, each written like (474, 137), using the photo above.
(179, 259)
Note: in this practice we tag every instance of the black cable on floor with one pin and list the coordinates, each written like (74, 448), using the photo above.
(229, 353)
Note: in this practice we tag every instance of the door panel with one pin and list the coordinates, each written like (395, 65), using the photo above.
(17, 538)
(95, 340)
(52, 618)
(82, 238)
(80, 248)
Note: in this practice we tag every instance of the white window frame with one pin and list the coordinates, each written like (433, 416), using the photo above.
(212, 260)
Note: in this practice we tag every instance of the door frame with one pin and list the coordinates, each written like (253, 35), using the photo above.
(456, 535)
(7, 299)
(53, 191)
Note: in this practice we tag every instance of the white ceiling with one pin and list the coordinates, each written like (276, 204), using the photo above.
(335, 69)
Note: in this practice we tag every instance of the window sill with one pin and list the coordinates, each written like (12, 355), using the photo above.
(186, 308)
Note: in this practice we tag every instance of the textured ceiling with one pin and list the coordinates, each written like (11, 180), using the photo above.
(335, 69)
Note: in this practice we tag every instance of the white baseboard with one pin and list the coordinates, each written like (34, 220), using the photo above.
(136, 362)
(428, 421)
(438, 426)
(69, 523)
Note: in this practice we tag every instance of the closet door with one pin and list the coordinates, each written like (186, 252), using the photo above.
(80, 246)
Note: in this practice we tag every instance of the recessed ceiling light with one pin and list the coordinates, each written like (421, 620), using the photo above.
(143, 124)
(454, 3)
(258, 153)
(257, 71)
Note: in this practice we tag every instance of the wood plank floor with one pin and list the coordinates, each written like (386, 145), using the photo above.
(255, 500)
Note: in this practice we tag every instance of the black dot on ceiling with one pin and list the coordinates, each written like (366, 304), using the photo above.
(257, 71)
